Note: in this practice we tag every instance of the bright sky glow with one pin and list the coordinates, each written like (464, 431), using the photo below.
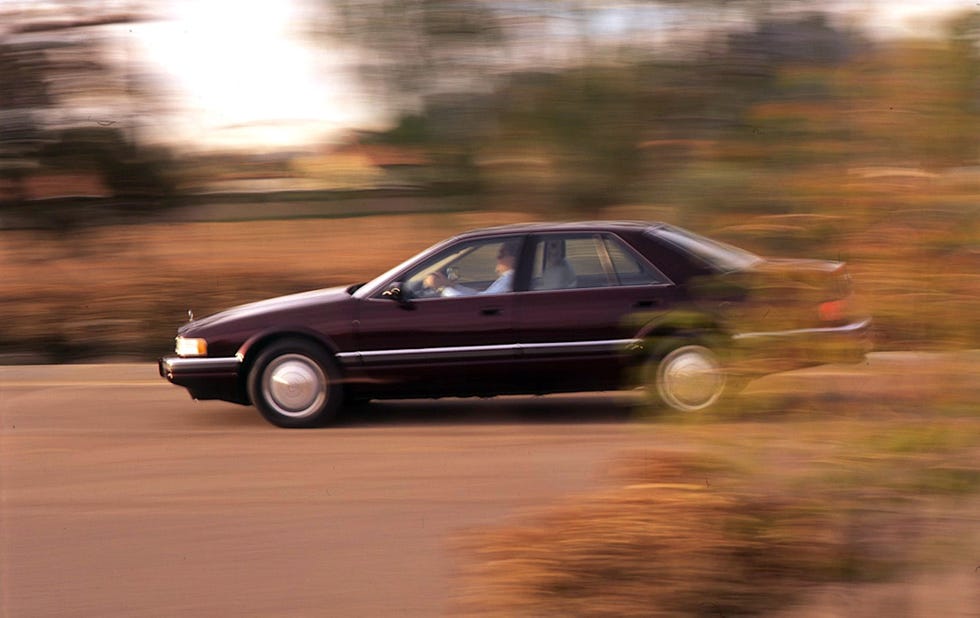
(912, 18)
(244, 72)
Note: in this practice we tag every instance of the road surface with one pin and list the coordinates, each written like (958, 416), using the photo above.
(120, 496)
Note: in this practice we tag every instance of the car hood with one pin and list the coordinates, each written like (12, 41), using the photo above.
(270, 306)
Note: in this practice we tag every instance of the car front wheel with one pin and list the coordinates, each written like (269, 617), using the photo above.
(689, 378)
(295, 384)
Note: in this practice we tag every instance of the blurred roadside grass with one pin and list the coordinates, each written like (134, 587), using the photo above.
(784, 519)
(120, 291)
(829, 492)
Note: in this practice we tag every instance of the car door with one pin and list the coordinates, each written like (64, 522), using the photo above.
(455, 340)
(573, 330)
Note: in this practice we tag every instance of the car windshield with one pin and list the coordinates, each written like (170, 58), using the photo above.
(723, 256)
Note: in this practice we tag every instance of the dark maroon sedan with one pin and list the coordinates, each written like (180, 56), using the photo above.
(530, 309)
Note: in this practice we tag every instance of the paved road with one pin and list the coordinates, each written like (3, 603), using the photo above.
(119, 496)
(122, 497)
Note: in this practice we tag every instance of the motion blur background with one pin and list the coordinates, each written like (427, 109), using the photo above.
(163, 156)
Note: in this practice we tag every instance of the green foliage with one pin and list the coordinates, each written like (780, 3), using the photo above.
(924, 439)
(408, 47)
(945, 480)
(410, 130)
(716, 130)
(586, 121)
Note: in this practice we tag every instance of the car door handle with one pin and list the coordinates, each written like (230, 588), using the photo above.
(490, 311)
(646, 304)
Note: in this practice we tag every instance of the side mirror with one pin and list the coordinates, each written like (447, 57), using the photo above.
(394, 292)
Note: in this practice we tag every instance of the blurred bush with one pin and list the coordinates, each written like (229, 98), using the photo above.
(688, 535)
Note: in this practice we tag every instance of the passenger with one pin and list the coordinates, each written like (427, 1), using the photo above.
(557, 273)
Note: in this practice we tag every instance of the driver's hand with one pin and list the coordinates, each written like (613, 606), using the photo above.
(435, 281)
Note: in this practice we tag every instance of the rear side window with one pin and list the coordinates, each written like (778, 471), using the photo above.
(630, 268)
(566, 261)
(722, 256)
(583, 260)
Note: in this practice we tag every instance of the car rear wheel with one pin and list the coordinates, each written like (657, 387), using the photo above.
(294, 383)
(689, 378)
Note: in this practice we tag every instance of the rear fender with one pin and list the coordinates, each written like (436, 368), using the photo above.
(661, 333)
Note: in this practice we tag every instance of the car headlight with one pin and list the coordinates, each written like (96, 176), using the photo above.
(189, 346)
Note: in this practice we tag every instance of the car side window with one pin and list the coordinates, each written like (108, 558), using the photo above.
(630, 268)
(464, 269)
(566, 261)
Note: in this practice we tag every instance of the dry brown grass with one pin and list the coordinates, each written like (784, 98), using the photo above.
(777, 527)
(121, 291)
(829, 492)
(672, 543)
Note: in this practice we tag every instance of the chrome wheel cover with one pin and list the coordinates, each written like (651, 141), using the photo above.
(690, 378)
(294, 385)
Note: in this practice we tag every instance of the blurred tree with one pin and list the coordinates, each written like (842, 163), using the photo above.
(613, 119)
(429, 64)
(573, 135)
(410, 50)
(411, 129)
(775, 92)
(23, 97)
(66, 108)
(906, 103)
(128, 170)
(464, 95)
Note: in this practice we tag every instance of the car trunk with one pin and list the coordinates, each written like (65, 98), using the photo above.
(786, 294)
(792, 313)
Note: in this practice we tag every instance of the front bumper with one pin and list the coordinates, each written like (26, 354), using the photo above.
(206, 378)
(768, 352)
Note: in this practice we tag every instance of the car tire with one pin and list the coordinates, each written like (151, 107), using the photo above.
(689, 377)
(294, 384)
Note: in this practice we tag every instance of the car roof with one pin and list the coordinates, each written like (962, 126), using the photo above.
(563, 226)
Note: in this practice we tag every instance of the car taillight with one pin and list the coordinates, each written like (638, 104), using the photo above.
(832, 310)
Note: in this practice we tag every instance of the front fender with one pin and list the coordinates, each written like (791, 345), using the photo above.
(259, 339)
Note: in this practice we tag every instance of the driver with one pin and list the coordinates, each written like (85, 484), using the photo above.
(506, 259)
